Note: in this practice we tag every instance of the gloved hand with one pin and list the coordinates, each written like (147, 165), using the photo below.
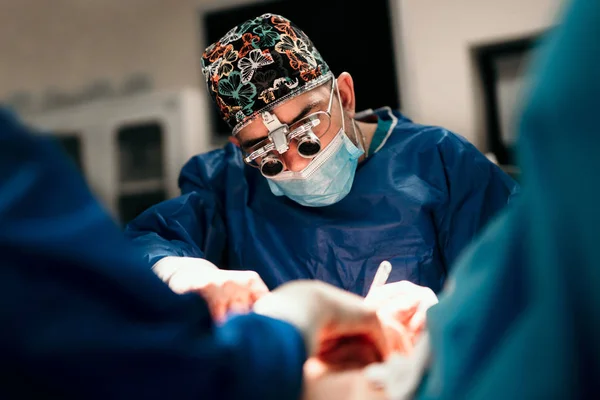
(402, 307)
(225, 291)
(338, 327)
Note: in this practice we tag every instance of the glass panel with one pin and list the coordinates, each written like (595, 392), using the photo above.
(140, 152)
(511, 78)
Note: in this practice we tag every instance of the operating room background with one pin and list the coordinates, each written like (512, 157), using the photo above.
(120, 83)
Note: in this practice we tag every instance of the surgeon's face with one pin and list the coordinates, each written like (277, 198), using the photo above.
(299, 107)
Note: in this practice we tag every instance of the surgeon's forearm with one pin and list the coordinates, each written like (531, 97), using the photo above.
(155, 246)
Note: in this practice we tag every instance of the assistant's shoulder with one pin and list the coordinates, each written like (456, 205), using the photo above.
(209, 169)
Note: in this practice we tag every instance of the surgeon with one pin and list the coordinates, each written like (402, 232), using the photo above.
(83, 318)
(310, 189)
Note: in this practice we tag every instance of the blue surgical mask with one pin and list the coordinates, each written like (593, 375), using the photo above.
(326, 180)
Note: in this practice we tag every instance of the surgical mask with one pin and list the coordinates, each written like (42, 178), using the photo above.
(326, 180)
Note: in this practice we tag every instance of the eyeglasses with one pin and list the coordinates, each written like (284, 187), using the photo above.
(306, 132)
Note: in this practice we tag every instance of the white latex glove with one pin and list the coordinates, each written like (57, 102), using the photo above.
(404, 305)
(225, 291)
(338, 327)
(400, 375)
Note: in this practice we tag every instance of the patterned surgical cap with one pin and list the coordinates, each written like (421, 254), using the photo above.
(258, 65)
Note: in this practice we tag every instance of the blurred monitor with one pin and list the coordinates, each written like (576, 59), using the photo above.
(141, 168)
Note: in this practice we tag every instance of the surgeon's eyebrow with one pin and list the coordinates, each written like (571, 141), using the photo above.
(246, 144)
(305, 111)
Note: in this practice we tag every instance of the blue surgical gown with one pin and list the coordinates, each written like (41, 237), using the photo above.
(521, 316)
(82, 317)
(416, 202)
